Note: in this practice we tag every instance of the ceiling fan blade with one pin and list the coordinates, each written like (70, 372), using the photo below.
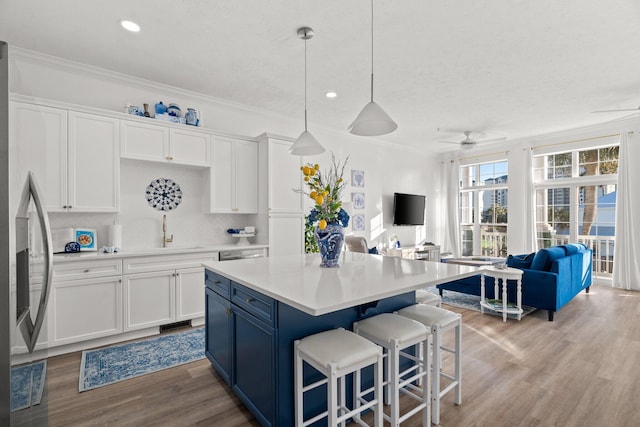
(492, 140)
(615, 111)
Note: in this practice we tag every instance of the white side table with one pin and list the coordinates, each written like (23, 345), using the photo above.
(501, 305)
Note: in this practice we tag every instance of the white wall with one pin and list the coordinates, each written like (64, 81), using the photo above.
(388, 168)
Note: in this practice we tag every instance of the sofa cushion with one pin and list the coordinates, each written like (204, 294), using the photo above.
(574, 248)
(544, 258)
(520, 261)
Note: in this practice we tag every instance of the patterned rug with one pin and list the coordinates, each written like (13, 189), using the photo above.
(117, 363)
(27, 383)
(472, 302)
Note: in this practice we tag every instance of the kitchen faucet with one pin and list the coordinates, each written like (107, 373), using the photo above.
(164, 232)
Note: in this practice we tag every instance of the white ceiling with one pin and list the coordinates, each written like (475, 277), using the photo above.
(508, 68)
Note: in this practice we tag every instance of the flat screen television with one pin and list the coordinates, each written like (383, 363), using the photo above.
(408, 209)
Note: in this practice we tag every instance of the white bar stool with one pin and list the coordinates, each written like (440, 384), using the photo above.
(335, 354)
(440, 320)
(426, 297)
(394, 334)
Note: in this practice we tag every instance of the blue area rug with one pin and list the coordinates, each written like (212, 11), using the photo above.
(112, 364)
(472, 302)
(27, 383)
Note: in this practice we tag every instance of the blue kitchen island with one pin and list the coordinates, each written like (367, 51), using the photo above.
(256, 308)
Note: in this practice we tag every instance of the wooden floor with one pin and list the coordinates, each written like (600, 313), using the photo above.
(583, 369)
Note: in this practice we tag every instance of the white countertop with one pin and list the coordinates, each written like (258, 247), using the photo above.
(298, 280)
(135, 252)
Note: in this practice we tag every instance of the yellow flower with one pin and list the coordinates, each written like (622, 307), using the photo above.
(316, 166)
(319, 200)
(306, 170)
(322, 224)
(313, 195)
(306, 178)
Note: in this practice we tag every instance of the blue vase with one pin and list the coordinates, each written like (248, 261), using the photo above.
(160, 108)
(330, 241)
(191, 117)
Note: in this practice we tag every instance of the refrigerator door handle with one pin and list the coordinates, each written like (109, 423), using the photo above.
(31, 330)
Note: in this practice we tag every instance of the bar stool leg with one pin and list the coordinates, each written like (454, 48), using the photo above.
(299, 386)
(332, 401)
(426, 382)
(458, 363)
(343, 402)
(377, 378)
(394, 378)
(435, 380)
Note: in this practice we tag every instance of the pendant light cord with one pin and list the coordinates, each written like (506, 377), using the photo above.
(371, 50)
(305, 82)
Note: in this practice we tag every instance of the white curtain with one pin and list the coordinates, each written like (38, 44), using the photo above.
(450, 171)
(531, 238)
(626, 270)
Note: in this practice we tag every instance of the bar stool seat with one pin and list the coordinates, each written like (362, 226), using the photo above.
(440, 320)
(337, 353)
(396, 334)
(425, 297)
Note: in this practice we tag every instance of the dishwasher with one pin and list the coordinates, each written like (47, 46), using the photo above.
(240, 254)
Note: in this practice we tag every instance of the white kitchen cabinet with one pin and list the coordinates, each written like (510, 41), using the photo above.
(233, 183)
(163, 289)
(94, 163)
(38, 143)
(149, 299)
(161, 143)
(190, 293)
(286, 234)
(281, 173)
(85, 309)
(74, 156)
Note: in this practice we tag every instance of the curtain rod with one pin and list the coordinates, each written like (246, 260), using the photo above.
(479, 156)
(574, 141)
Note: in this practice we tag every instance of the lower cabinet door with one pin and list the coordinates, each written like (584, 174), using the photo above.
(149, 299)
(254, 369)
(218, 333)
(85, 309)
(189, 297)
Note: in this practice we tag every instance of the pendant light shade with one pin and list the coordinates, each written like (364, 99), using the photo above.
(306, 144)
(372, 120)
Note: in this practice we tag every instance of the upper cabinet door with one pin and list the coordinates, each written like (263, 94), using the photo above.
(94, 163)
(38, 143)
(284, 177)
(144, 141)
(246, 177)
(189, 148)
(221, 175)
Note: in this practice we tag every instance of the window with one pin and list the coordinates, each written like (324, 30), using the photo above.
(576, 201)
(484, 199)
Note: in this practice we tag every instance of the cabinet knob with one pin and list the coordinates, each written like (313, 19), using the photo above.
(87, 270)
(249, 300)
(228, 311)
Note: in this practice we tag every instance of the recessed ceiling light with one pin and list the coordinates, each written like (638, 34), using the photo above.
(331, 94)
(130, 26)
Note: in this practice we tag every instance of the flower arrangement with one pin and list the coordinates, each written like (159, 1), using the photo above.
(325, 190)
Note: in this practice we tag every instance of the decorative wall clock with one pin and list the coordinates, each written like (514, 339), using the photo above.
(163, 194)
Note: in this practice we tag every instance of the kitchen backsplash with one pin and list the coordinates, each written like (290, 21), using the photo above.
(142, 224)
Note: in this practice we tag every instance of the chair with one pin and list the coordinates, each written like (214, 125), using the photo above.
(395, 334)
(356, 244)
(335, 354)
(425, 297)
(440, 320)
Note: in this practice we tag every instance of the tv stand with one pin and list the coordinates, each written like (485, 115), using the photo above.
(423, 253)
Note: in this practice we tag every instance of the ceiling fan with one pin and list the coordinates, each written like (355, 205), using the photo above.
(469, 142)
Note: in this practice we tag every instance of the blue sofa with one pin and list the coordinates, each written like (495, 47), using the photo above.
(551, 277)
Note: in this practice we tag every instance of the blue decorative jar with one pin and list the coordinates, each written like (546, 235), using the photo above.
(191, 117)
(330, 241)
(160, 108)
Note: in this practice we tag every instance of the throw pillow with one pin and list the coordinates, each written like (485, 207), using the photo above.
(520, 261)
(544, 258)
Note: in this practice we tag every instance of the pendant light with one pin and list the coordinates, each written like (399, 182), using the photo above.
(306, 144)
(372, 120)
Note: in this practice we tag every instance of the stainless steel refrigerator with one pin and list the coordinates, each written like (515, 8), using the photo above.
(23, 390)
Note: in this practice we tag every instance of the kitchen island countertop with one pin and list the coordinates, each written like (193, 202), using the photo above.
(298, 280)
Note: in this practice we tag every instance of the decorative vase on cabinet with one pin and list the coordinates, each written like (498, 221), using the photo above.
(191, 117)
(330, 242)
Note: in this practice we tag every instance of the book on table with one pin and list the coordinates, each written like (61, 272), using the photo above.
(497, 303)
